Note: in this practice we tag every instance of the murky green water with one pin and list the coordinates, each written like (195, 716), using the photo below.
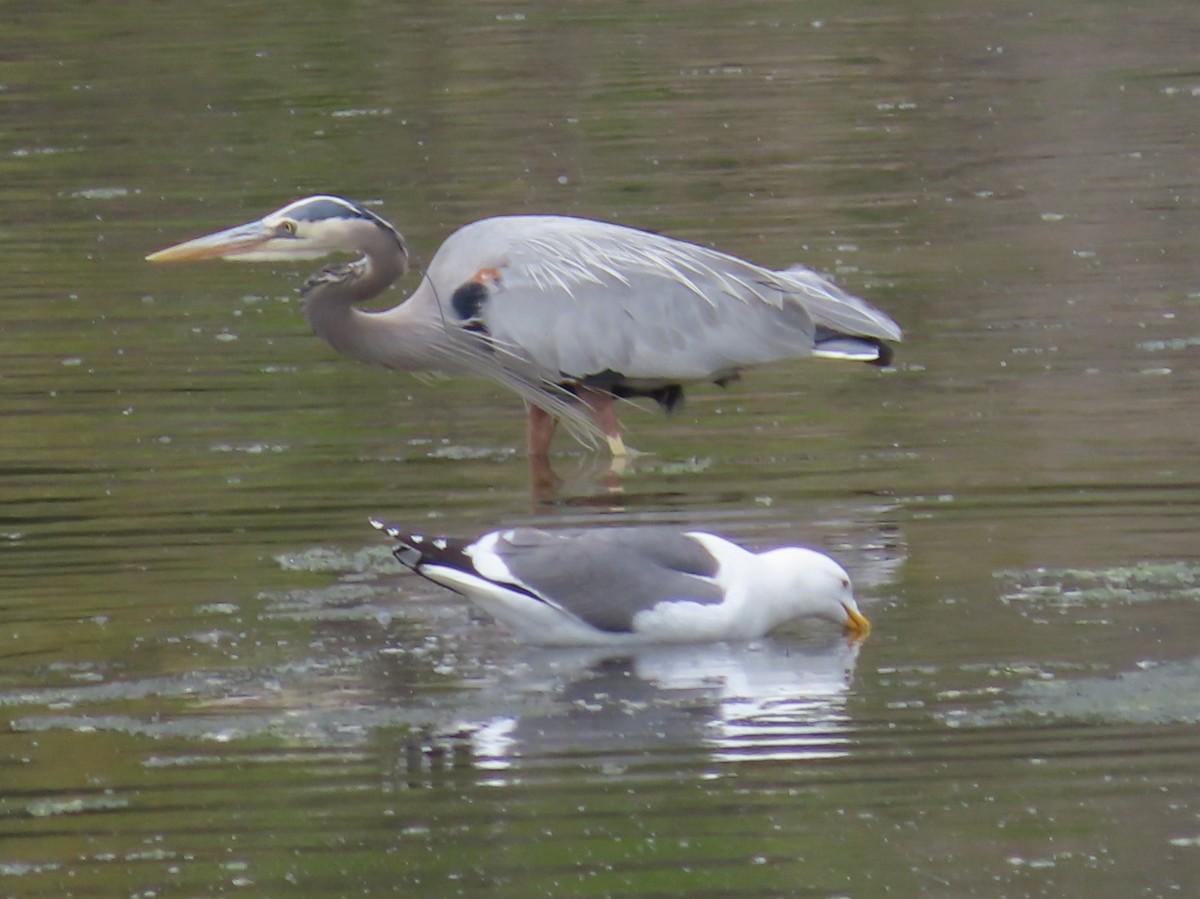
(214, 680)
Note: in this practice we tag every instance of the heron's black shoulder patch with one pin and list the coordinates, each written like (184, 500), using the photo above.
(468, 302)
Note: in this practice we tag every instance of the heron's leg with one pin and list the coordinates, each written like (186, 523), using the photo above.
(541, 431)
(604, 411)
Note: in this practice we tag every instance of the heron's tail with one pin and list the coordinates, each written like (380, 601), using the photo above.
(416, 551)
(836, 309)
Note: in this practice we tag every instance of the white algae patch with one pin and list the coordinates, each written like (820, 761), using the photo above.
(1154, 692)
(461, 453)
(1140, 582)
(371, 560)
(1166, 693)
(42, 808)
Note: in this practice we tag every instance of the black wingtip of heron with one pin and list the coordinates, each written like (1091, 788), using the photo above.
(886, 354)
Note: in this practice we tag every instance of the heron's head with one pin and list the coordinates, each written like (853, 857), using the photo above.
(306, 229)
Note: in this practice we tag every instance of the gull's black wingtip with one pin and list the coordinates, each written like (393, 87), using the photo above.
(407, 553)
(390, 529)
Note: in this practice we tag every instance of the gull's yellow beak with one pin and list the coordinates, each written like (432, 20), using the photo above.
(857, 624)
(231, 242)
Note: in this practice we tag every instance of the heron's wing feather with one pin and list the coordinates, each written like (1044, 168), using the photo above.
(834, 308)
(586, 252)
(582, 298)
(576, 297)
(645, 327)
(606, 576)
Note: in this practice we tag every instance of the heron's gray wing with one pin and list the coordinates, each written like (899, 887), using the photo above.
(582, 298)
(563, 298)
(605, 576)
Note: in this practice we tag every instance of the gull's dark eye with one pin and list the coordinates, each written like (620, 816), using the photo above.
(846, 582)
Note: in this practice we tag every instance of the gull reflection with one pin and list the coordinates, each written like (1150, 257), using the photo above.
(724, 703)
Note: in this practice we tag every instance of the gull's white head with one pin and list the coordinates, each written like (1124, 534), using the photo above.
(815, 586)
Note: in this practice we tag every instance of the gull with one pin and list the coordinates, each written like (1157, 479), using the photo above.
(632, 585)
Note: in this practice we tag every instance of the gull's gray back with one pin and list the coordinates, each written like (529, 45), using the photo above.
(608, 575)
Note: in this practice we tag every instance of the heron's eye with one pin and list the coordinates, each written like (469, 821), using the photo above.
(288, 227)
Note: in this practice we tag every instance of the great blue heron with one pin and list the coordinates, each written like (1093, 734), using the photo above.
(632, 584)
(570, 313)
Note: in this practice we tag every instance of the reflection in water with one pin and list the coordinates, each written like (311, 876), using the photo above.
(596, 480)
(613, 711)
(784, 704)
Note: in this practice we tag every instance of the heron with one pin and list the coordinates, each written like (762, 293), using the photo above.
(632, 584)
(572, 314)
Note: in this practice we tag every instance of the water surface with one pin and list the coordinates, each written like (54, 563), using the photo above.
(214, 679)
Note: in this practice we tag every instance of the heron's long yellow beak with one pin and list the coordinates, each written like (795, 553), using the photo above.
(858, 625)
(224, 244)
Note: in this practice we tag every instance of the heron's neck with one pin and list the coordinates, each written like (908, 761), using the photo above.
(399, 337)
